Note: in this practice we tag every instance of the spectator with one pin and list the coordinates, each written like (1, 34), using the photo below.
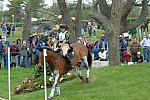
(8, 29)
(124, 47)
(4, 38)
(1, 53)
(89, 44)
(142, 27)
(82, 40)
(29, 53)
(103, 42)
(12, 30)
(90, 31)
(94, 29)
(30, 38)
(103, 55)
(95, 51)
(54, 32)
(127, 56)
(82, 32)
(134, 48)
(14, 54)
(97, 41)
(24, 54)
(37, 53)
(145, 43)
(139, 58)
(4, 28)
(19, 46)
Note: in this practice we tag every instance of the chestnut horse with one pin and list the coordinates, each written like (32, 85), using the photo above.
(59, 65)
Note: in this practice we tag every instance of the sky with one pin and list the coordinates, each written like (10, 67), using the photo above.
(49, 2)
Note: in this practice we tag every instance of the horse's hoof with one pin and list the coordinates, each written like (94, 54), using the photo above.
(82, 79)
(87, 80)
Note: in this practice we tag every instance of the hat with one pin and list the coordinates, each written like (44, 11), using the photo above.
(138, 53)
(63, 26)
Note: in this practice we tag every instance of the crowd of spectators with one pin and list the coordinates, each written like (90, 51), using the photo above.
(25, 53)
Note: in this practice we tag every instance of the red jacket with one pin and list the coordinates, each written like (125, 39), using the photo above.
(127, 56)
(14, 50)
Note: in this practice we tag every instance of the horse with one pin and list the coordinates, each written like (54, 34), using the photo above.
(59, 65)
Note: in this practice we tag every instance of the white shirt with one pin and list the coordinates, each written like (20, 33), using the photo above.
(145, 43)
(62, 36)
(4, 37)
(103, 55)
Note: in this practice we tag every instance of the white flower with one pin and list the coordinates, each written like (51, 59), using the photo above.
(68, 74)
(42, 87)
(19, 86)
(51, 79)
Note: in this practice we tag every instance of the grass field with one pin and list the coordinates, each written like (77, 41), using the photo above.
(110, 83)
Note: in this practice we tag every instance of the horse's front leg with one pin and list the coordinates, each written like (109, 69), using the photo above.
(55, 85)
(87, 69)
(79, 71)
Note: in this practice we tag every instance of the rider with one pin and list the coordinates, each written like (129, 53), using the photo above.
(64, 39)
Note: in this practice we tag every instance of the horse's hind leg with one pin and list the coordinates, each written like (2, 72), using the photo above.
(79, 71)
(56, 77)
(87, 69)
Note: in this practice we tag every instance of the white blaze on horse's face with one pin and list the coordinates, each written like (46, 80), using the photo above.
(64, 49)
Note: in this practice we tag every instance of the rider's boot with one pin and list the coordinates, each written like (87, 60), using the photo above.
(69, 60)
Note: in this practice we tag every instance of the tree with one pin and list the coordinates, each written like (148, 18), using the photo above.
(28, 25)
(30, 11)
(15, 8)
(113, 17)
(72, 24)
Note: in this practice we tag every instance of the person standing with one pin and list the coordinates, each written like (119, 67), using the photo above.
(14, 54)
(12, 30)
(1, 53)
(24, 54)
(94, 29)
(145, 44)
(19, 46)
(4, 28)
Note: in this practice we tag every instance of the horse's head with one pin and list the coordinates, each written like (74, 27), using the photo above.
(41, 61)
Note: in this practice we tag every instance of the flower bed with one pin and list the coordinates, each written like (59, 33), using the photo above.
(36, 81)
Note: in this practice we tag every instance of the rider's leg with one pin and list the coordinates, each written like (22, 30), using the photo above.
(68, 58)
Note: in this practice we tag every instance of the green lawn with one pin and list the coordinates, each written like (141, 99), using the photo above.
(18, 35)
(110, 83)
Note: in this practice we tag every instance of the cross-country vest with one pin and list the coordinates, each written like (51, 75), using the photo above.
(64, 36)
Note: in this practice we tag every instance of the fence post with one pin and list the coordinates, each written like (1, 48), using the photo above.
(9, 95)
(44, 53)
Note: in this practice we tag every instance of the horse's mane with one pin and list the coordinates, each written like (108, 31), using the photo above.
(58, 54)
(50, 49)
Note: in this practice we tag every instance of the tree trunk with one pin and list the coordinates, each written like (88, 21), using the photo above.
(28, 25)
(78, 20)
(113, 18)
(65, 17)
(73, 25)
(113, 45)
(113, 38)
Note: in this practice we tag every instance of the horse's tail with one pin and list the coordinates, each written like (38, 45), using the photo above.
(89, 59)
